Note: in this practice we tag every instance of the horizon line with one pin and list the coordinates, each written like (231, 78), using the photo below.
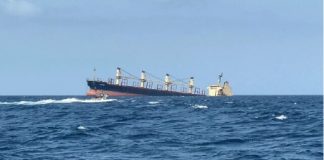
(173, 96)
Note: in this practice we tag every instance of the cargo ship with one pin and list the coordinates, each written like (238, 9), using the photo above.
(144, 86)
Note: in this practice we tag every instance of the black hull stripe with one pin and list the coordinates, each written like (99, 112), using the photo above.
(98, 85)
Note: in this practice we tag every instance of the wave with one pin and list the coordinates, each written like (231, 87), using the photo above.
(81, 128)
(62, 101)
(199, 106)
(225, 141)
(230, 102)
(154, 102)
(281, 117)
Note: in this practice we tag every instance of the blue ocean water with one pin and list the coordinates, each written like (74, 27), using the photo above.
(190, 128)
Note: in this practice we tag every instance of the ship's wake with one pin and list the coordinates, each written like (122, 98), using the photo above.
(54, 101)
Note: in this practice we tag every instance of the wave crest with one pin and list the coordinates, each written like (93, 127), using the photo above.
(153, 102)
(281, 117)
(197, 106)
(53, 101)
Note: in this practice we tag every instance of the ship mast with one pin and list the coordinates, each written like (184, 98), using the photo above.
(220, 78)
(143, 79)
(118, 76)
(167, 82)
(94, 73)
(191, 85)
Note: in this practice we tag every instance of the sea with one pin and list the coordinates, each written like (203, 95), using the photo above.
(166, 128)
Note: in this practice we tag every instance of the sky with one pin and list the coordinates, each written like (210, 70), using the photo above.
(268, 47)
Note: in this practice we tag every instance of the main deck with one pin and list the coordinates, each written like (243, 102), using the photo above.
(101, 88)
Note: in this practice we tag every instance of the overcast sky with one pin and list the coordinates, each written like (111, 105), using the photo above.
(262, 47)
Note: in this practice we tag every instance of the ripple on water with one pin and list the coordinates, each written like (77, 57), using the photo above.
(254, 127)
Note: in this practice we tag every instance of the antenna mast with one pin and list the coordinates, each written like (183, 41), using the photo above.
(94, 73)
(220, 78)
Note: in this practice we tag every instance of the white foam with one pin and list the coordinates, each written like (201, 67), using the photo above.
(154, 102)
(82, 128)
(230, 102)
(62, 101)
(199, 106)
(281, 117)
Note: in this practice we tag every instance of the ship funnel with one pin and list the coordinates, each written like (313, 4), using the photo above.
(191, 85)
(167, 82)
(143, 79)
(118, 76)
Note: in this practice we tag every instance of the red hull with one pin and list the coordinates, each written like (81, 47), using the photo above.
(100, 93)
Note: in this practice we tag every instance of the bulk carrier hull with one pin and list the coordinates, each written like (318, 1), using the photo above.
(100, 89)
